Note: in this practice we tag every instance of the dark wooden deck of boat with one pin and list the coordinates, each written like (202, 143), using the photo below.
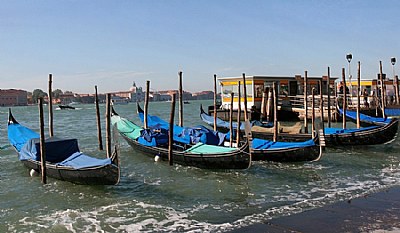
(378, 212)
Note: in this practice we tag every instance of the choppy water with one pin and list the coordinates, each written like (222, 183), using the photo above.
(156, 197)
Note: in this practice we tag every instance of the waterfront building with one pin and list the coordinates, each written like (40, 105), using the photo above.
(13, 97)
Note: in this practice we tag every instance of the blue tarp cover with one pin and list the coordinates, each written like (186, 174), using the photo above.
(18, 135)
(187, 135)
(61, 152)
(392, 112)
(366, 118)
(261, 144)
(153, 137)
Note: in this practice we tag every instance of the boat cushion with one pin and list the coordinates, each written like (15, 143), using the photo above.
(78, 161)
(126, 127)
(201, 148)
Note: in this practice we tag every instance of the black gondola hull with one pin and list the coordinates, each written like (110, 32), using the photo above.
(239, 159)
(381, 135)
(103, 175)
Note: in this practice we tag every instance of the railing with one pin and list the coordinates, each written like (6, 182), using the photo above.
(298, 101)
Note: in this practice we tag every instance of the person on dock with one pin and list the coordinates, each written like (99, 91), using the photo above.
(365, 94)
(254, 113)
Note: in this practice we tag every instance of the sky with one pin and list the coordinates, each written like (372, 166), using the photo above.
(113, 43)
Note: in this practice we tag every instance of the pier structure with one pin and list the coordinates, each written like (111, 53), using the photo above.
(290, 91)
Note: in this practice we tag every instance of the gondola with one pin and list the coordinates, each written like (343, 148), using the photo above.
(371, 135)
(265, 150)
(154, 142)
(333, 137)
(64, 161)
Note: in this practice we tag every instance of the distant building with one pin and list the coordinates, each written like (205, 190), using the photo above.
(13, 97)
(204, 95)
(136, 93)
(186, 95)
(65, 98)
(161, 97)
(90, 98)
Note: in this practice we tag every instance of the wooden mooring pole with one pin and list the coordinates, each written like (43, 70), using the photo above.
(383, 91)
(344, 97)
(245, 97)
(396, 89)
(269, 105)
(263, 105)
(329, 96)
(313, 112)
(180, 100)
(42, 143)
(238, 116)
(305, 103)
(358, 93)
(231, 121)
(321, 106)
(171, 132)
(51, 128)
(99, 136)
(146, 104)
(276, 126)
(108, 125)
(215, 102)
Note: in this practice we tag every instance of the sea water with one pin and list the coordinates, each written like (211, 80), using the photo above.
(153, 196)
